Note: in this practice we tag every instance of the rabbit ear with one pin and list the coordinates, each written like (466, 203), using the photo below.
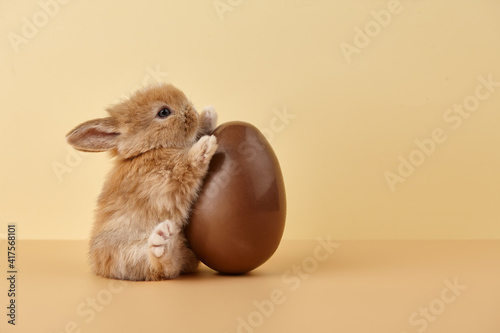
(94, 135)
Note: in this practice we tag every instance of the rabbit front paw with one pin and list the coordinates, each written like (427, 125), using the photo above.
(208, 119)
(204, 149)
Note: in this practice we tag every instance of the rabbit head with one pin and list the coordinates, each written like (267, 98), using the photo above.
(155, 117)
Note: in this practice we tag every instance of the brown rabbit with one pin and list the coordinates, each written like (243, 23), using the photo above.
(159, 167)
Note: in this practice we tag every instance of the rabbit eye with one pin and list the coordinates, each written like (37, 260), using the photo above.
(164, 113)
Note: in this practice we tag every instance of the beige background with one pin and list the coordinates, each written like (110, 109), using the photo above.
(350, 118)
(360, 287)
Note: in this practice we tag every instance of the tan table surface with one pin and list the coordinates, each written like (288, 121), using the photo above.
(358, 286)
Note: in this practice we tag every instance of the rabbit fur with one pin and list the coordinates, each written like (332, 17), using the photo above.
(161, 154)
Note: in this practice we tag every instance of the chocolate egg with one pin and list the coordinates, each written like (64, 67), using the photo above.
(238, 220)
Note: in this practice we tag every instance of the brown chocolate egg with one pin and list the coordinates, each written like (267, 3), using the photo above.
(239, 217)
